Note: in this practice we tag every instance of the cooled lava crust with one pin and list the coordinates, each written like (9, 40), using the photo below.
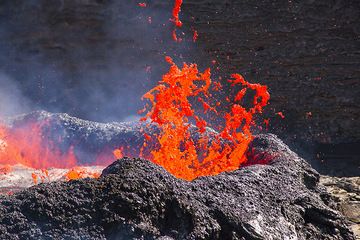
(135, 199)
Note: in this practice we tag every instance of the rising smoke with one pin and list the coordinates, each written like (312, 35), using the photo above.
(12, 101)
(92, 59)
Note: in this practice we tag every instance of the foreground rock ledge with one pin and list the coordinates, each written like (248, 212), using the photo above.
(135, 199)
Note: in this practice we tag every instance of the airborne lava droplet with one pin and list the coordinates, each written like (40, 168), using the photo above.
(267, 122)
(176, 18)
(176, 11)
(280, 114)
(35, 178)
(118, 153)
(195, 36)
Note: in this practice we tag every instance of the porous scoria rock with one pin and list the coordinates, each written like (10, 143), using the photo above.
(135, 199)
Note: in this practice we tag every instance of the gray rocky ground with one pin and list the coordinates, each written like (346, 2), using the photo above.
(346, 193)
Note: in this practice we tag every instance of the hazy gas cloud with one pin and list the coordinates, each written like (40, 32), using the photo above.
(12, 101)
(91, 59)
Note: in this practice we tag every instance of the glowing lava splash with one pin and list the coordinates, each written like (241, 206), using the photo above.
(27, 145)
(176, 150)
(32, 147)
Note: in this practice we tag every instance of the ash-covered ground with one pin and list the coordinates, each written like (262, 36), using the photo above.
(135, 199)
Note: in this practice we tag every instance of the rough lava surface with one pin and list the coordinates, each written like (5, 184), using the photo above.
(135, 199)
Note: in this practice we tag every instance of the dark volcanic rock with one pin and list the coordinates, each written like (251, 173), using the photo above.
(135, 199)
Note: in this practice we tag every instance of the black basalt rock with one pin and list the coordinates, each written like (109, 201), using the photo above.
(136, 199)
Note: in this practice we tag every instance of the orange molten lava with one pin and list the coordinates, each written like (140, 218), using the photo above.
(176, 11)
(27, 145)
(78, 173)
(35, 178)
(118, 153)
(172, 110)
(176, 19)
(31, 146)
(43, 175)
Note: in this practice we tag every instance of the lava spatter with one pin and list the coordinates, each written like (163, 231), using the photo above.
(176, 19)
(171, 108)
(176, 12)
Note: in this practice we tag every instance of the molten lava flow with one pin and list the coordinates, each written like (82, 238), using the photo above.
(78, 173)
(177, 151)
(27, 145)
(30, 145)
